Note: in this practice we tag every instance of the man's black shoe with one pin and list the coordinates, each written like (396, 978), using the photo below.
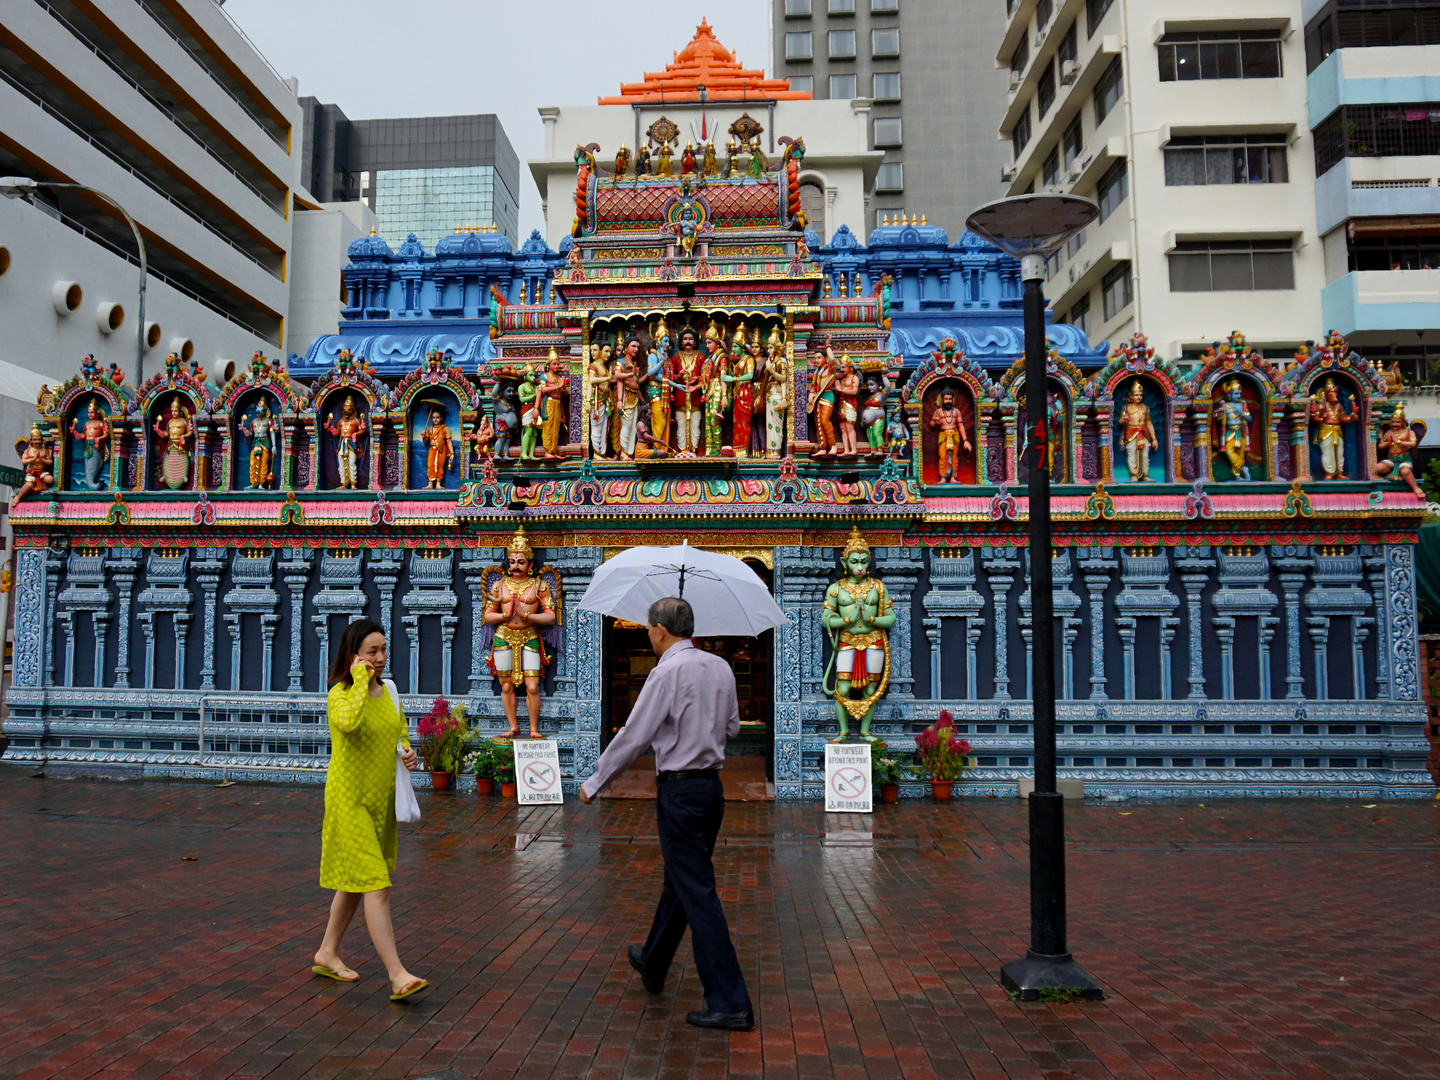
(655, 986)
(739, 1021)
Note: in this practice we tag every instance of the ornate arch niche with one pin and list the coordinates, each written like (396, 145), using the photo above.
(75, 471)
(350, 378)
(436, 384)
(1353, 448)
(1155, 401)
(1259, 380)
(1362, 390)
(181, 464)
(240, 399)
(1062, 383)
(249, 470)
(1106, 394)
(1259, 454)
(949, 368)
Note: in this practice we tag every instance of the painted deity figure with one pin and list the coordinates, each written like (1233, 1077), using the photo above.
(872, 413)
(528, 393)
(662, 162)
(625, 387)
(710, 167)
(1329, 414)
(554, 391)
(622, 162)
(740, 382)
(95, 436)
(261, 427)
(847, 402)
(518, 606)
(1232, 417)
(686, 376)
(507, 415)
(642, 160)
(602, 399)
(717, 394)
(779, 395)
(440, 449)
(1137, 433)
(347, 432)
(948, 423)
(821, 401)
(687, 160)
(654, 384)
(36, 461)
(177, 431)
(483, 437)
(1397, 450)
(757, 164)
(858, 615)
(897, 435)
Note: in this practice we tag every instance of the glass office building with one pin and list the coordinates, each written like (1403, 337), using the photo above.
(432, 202)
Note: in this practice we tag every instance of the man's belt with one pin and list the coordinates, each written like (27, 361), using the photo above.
(685, 774)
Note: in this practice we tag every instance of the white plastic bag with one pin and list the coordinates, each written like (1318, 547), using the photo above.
(406, 806)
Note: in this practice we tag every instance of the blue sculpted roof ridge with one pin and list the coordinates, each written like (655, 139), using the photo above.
(369, 248)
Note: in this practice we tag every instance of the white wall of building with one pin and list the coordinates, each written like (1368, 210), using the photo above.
(321, 239)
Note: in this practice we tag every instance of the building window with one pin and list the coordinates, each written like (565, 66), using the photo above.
(1377, 24)
(1226, 159)
(796, 8)
(887, 131)
(797, 46)
(812, 205)
(1069, 46)
(842, 7)
(1113, 188)
(1094, 11)
(1073, 140)
(1232, 266)
(891, 177)
(1043, 10)
(1108, 90)
(842, 44)
(428, 202)
(1116, 290)
(1050, 171)
(1018, 59)
(1414, 249)
(1045, 89)
(842, 87)
(1377, 131)
(887, 86)
(1020, 134)
(803, 83)
(1075, 243)
(885, 42)
(881, 6)
(1220, 54)
(1080, 315)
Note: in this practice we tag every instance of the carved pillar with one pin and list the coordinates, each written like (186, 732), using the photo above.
(208, 571)
(973, 629)
(1359, 631)
(1195, 573)
(385, 572)
(1001, 566)
(1225, 634)
(932, 637)
(1070, 631)
(1126, 627)
(1403, 652)
(1375, 571)
(1096, 565)
(54, 563)
(1265, 625)
(1319, 643)
(295, 567)
(1293, 568)
(377, 456)
(124, 568)
(472, 565)
(147, 624)
(899, 567)
(802, 575)
(101, 622)
(232, 620)
(66, 621)
(269, 623)
(31, 618)
(181, 621)
(448, 623)
(1168, 623)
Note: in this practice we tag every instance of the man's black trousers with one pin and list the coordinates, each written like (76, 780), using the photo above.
(689, 813)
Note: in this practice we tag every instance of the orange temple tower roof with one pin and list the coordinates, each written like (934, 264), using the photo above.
(705, 62)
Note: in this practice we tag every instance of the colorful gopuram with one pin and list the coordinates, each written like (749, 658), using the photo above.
(1234, 539)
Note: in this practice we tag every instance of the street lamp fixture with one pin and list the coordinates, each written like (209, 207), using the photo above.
(16, 187)
(1032, 228)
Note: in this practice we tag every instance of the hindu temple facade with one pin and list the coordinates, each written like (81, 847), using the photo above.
(1235, 606)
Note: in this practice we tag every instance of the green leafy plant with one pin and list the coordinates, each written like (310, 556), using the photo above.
(503, 757)
(883, 768)
(481, 762)
(941, 753)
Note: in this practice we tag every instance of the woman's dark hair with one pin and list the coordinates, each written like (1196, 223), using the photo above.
(350, 641)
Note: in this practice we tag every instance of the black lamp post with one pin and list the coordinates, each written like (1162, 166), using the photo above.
(1032, 228)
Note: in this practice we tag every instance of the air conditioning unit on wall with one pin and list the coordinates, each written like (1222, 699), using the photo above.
(1015, 80)
(1008, 173)
(1069, 69)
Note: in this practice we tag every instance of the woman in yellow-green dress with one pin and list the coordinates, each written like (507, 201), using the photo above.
(358, 838)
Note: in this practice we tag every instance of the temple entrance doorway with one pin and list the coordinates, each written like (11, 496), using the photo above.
(749, 757)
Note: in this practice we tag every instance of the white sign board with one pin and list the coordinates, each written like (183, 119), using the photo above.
(847, 778)
(537, 771)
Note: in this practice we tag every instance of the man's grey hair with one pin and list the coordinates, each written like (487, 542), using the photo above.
(675, 615)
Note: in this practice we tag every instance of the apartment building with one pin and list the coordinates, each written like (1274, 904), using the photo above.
(164, 106)
(935, 94)
(1374, 110)
(1186, 121)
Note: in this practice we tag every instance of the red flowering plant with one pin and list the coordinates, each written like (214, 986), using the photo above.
(941, 753)
(444, 733)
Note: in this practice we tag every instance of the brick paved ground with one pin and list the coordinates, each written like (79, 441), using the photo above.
(1246, 939)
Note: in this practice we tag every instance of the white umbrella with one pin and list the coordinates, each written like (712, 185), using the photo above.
(726, 595)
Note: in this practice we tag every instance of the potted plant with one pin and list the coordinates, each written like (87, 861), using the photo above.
(444, 733)
(884, 772)
(481, 762)
(942, 755)
(503, 757)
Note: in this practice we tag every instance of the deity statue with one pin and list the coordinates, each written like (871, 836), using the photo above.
(506, 401)
(872, 412)
(662, 163)
(779, 395)
(732, 166)
(440, 449)
(740, 384)
(948, 423)
(654, 383)
(95, 435)
(622, 162)
(755, 349)
(601, 399)
(1329, 414)
(483, 437)
(177, 430)
(262, 429)
(687, 377)
(347, 434)
(847, 395)
(717, 394)
(528, 393)
(821, 401)
(858, 615)
(710, 167)
(36, 461)
(642, 160)
(1396, 447)
(554, 393)
(897, 434)
(625, 387)
(687, 160)
(1231, 418)
(686, 230)
(1137, 433)
(757, 165)
(521, 616)
(1393, 379)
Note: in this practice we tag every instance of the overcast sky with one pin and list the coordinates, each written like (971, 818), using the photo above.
(448, 57)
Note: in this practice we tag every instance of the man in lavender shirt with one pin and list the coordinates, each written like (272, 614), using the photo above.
(686, 711)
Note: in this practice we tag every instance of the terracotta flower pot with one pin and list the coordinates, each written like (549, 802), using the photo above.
(889, 792)
(484, 785)
(507, 789)
(439, 781)
(940, 790)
